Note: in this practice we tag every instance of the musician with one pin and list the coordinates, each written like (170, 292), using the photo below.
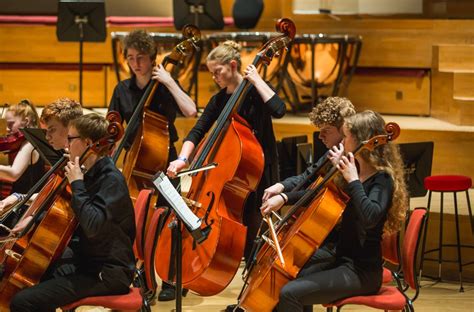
(140, 52)
(104, 261)
(55, 117)
(377, 206)
(27, 166)
(259, 106)
(328, 116)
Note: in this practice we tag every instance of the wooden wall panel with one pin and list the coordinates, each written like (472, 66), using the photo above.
(44, 86)
(391, 94)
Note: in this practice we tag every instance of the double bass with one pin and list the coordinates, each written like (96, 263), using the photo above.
(142, 160)
(322, 205)
(218, 196)
(26, 260)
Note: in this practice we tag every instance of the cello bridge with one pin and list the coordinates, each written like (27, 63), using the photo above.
(14, 255)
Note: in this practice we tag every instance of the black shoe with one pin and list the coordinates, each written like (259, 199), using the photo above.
(233, 308)
(169, 293)
(166, 294)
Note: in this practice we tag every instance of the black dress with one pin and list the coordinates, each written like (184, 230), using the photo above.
(259, 115)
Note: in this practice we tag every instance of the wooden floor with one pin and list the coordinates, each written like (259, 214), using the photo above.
(434, 297)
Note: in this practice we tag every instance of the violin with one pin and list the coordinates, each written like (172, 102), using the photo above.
(11, 142)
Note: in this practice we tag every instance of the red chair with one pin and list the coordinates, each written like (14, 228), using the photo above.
(391, 297)
(448, 184)
(144, 289)
(391, 253)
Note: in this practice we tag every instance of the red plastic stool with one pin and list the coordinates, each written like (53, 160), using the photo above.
(446, 184)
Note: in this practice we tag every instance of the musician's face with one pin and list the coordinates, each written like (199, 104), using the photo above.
(140, 63)
(75, 144)
(14, 123)
(349, 141)
(56, 134)
(330, 135)
(223, 74)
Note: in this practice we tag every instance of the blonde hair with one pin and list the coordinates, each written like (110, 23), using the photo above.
(225, 52)
(332, 111)
(63, 109)
(26, 109)
(364, 126)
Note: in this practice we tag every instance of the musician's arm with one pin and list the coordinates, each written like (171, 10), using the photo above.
(20, 164)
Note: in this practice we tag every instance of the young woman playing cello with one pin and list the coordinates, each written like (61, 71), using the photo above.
(378, 202)
(258, 108)
(27, 166)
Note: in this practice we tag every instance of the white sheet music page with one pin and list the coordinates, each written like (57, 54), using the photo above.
(167, 189)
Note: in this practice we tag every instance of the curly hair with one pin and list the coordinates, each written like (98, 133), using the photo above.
(63, 109)
(225, 52)
(364, 126)
(141, 41)
(332, 111)
(26, 109)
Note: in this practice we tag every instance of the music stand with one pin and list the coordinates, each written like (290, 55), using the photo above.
(417, 158)
(287, 155)
(319, 149)
(205, 14)
(304, 157)
(81, 21)
(37, 138)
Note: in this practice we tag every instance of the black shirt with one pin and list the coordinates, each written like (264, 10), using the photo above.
(106, 218)
(363, 220)
(257, 113)
(127, 95)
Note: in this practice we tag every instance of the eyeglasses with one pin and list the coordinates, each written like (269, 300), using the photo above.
(70, 138)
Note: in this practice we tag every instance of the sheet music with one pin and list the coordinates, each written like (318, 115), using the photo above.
(167, 189)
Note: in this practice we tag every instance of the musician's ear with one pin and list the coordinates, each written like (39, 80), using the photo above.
(233, 65)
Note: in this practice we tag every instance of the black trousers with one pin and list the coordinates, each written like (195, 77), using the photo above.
(324, 279)
(65, 284)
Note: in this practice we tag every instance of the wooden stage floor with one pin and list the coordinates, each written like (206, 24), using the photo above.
(439, 297)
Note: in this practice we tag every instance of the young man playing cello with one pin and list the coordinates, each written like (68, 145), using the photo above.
(103, 263)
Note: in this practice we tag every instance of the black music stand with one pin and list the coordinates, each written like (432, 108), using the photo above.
(287, 154)
(37, 138)
(417, 159)
(81, 21)
(304, 157)
(205, 14)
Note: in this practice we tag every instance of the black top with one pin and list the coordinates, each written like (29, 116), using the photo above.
(27, 180)
(127, 95)
(360, 231)
(363, 220)
(106, 218)
(257, 113)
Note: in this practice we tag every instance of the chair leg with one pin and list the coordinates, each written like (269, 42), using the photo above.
(470, 212)
(440, 244)
(458, 241)
(425, 231)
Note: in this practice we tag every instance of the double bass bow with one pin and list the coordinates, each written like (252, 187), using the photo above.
(27, 260)
(279, 261)
(149, 150)
(218, 196)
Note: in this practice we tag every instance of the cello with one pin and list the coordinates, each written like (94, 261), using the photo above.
(27, 260)
(323, 206)
(218, 196)
(142, 160)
